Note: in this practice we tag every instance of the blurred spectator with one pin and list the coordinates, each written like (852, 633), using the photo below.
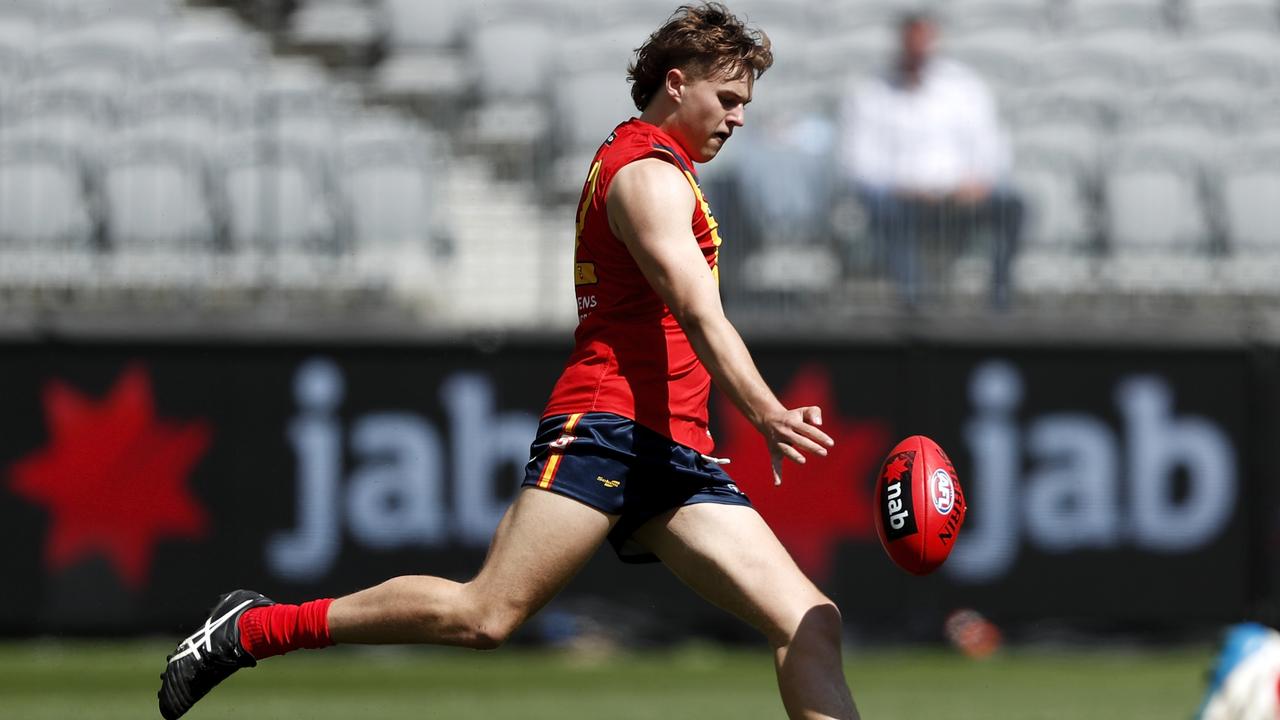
(923, 149)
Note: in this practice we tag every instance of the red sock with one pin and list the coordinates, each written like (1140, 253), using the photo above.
(278, 629)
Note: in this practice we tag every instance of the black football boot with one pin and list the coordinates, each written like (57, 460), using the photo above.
(209, 655)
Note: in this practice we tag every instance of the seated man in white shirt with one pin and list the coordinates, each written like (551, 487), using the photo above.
(923, 148)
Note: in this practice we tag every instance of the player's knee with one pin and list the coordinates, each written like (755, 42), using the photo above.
(825, 620)
(490, 636)
(493, 625)
(818, 621)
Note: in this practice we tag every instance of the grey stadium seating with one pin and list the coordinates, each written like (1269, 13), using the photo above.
(1141, 128)
(43, 198)
(156, 195)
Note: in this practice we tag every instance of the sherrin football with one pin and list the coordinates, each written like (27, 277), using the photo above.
(919, 505)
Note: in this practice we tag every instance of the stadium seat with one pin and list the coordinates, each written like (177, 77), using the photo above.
(801, 16)
(424, 62)
(1134, 55)
(649, 13)
(587, 106)
(18, 39)
(75, 12)
(611, 48)
(316, 130)
(855, 51)
(226, 95)
(1205, 67)
(1080, 141)
(43, 201)
(390, 198)
(1174, 124)
(1059, 252)
(297, 101)
(208, 42)
(1247, 183)
(1086, 17)
(155, 197)
(276, 198)
(295, 79)
(512, 59)
(87, 62)
(1212, 16)
(13, 69)
(1000, 58)
(1074, 124)
(68, 117)
(1153, 202)
(140, 33)
(1257, 121)
(344, 31)
(201, 123)
(1253, 45)
(1099, 74)
(961, 18)
(1059, 208)
(797, 81)
(414, 25)
(34, 11)
(376, 131)
(840, 15)
(423, 50)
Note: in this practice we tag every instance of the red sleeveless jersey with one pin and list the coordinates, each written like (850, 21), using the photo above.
(630, 356)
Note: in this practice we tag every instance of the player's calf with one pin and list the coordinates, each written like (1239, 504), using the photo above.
(810, 667)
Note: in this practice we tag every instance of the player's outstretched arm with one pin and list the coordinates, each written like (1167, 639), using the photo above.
(650, 203)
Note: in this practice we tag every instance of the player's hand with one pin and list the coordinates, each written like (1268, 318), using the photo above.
(792, 433)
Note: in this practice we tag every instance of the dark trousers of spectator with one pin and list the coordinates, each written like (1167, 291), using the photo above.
(900, 225)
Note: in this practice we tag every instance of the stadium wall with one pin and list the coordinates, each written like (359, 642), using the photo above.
(1116, 486)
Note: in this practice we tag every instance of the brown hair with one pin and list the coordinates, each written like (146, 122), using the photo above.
(702, 40)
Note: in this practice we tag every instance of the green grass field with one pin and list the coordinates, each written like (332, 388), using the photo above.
(112, 680)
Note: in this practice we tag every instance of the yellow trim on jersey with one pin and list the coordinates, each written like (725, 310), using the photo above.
(712, 225)
(585, 203)
(584, 274)
(553, 460)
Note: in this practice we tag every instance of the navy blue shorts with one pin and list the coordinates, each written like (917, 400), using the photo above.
(624, 469)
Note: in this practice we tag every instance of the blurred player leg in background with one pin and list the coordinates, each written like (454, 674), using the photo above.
(893, 226)
(997, 215)
(730, 557)
(1005, 210)
(1245, 681)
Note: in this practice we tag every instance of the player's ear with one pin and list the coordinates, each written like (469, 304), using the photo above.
(674, 83)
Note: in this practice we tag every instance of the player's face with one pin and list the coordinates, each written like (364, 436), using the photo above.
(710, 109)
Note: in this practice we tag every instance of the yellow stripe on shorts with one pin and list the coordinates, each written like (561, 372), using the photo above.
(553, 460)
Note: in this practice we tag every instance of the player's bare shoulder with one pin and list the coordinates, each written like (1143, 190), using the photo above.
(647, 194)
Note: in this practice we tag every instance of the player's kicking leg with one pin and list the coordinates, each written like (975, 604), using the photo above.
(543, 540)
(730, 556)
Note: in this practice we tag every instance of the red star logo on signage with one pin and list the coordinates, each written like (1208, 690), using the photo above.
(113, 476)
(824, 501)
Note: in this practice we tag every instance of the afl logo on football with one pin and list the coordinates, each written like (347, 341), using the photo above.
(942, 490)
